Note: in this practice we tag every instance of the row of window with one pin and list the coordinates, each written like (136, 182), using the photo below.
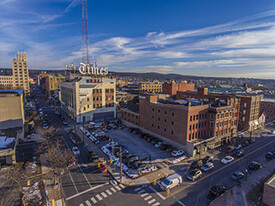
(222, 132)
(99, 106)
(197, 135)
(165, 112)
(164, 129)
(100, 91)
(199, 125)
(197, 117)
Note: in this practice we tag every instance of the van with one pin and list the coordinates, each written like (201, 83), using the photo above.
(171, 181)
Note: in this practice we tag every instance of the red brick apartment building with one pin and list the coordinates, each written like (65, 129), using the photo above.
(268, 107)
(172, 87)
(247, 107)
(186, 124)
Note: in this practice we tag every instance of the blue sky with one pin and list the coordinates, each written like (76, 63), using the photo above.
(234, 38)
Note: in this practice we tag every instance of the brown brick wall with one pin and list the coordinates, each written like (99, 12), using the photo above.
(269, 109)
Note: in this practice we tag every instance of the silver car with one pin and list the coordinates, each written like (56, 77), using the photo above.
(208, 166)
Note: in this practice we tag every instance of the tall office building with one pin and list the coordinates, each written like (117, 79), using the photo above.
(21, 72)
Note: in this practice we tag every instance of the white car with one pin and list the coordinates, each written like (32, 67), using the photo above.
(75, 151)
(176, 153)
(92, 123)
(227, 159)
(177, 160)
(111, 144)
(99, 134)
(157, 145)
(208, 166)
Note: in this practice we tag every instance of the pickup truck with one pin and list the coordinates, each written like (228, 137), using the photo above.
(171, 181)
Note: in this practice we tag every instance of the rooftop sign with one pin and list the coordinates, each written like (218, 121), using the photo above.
(87, 69)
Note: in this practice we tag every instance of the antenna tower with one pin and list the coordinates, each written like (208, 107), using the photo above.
(85, 35)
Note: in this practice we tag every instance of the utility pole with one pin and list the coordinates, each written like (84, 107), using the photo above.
(120, 160)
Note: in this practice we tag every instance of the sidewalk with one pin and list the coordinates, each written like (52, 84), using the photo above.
(238, 195)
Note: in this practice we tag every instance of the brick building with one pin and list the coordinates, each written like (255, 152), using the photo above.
(268, 107)
(186, 124)
(172, 87)
(52, 82)
(150, 87)
(247, 107)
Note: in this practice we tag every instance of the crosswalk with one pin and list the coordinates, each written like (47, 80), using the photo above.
(100, 196)
(146, 196)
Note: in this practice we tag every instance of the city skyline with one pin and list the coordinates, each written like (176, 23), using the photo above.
(223, 39)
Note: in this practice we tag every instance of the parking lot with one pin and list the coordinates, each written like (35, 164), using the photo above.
(137, 145)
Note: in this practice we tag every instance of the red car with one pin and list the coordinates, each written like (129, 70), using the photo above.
(229, 149)
(104, 137)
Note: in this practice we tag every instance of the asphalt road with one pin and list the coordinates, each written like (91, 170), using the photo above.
(83, 185)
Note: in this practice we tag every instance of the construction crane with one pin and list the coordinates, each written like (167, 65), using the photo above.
(85, 34)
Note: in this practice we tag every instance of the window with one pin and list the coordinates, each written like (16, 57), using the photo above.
(158, 127)
(193, 126)
(88, 106)
(190, 128)
(152, 125)
(196, 126)
(194, 117)
(164, 129)
(190, 118)
(172, 123)
(153, 109)
(173, 114)
(153, 117)
(218, 116)
(88, 99)
(158, 119)
(197, 117)
(165, 112)
(158, 111)
(172, 132)
(165, 120)
(189, 136)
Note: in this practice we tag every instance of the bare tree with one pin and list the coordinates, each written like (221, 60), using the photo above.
(56, 156)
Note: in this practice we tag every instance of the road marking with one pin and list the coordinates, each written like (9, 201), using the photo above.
(122, 186)
(117, 187)
(103, 194)
(108, 191)
(192, 183)
(80, 193)
(73, 182)
(94, 200)
(144, 194)
(137, 189)
(98, 197)
(147, 198)
(141, 191)
(88, 203)
(151, 201)
(156, 204)
(84, 176)
(113, 189)
(160, 195)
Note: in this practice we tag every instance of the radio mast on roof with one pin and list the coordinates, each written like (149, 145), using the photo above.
(85, 35)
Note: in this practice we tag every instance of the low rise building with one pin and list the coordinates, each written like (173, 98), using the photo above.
(52, 82)
(89, 99)
(12, 113)
(6, 82)
(268, 107)
(172, 87)
(150, 87)
(193, 125)
(269, 191)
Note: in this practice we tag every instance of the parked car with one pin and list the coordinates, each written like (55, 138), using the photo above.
(177, 160)
(208, 166)
(238, 153)
(216, 191)
(158, 144)
(240, 134)
(254, 165)
(251, 141)
(75, 151)
(245, 144)
(227, 159)
(237, 147)
(92, 156)
(269, 156)
(229, 149)
(237, 175)
(171, 181)
(169, 148)
(176, 153)
(207, 159)
(65, 123)
(194, 174)
(196, 164)
(163, 146)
